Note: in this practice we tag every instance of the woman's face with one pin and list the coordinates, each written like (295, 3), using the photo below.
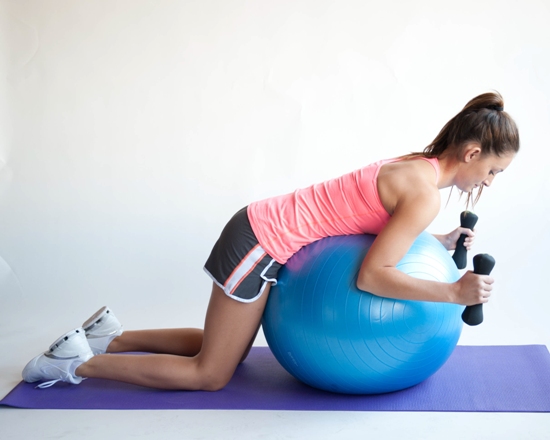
(478, 170)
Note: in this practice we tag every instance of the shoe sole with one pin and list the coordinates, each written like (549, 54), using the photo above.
(61, 340)
(95, 318)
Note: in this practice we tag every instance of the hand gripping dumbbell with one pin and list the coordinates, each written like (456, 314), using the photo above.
(467, 220)
(483, 265)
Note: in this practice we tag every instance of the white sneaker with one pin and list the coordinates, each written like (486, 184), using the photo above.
(61, 360)
(101, 328)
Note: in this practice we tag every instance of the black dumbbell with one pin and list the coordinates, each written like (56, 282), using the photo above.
(483, 265)
(467, 220)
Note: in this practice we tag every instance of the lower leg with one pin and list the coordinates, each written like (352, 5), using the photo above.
(161, 371)
(177, 341)
(229, 328)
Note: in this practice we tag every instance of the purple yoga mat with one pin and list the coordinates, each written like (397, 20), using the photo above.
(492, 379)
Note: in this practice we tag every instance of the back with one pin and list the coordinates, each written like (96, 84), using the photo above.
(347, 205)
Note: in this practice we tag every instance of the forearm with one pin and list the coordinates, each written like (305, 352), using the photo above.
(389, 282)
(443, 239)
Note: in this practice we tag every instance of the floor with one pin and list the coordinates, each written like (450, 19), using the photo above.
(19, 340)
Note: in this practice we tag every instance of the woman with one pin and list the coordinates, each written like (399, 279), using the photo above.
(396, 199)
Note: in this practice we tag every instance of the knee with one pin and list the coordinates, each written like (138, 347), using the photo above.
(210, 377)
(214, 382)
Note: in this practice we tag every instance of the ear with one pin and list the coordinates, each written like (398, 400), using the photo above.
(471, 152)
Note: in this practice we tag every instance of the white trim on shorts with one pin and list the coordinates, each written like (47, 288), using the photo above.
(247, 265)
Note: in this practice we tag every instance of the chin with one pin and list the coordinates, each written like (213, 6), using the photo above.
(471, 188)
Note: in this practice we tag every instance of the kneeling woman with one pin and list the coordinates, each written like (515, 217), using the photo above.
(396, 199)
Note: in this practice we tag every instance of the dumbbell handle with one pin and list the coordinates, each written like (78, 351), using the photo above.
(483, 265)
(467, 220)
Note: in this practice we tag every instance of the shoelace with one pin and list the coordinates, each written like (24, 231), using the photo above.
(47, 384)
(50, 383)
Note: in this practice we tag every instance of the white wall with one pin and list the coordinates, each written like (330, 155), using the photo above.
(131, 130)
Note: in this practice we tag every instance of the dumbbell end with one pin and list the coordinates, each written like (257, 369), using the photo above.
(473, 315)
(468, 219)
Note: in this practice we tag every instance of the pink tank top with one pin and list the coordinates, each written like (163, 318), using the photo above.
(343, 206)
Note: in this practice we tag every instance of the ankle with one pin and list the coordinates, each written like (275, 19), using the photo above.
(114, 346)
(82, 370)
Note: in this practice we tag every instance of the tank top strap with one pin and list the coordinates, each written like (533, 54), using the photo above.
(434, 161)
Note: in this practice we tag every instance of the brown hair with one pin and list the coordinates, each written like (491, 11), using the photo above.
(483, 121)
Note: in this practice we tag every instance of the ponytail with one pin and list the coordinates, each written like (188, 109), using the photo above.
(483, 121)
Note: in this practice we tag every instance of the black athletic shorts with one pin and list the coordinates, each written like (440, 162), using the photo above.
(238, 264)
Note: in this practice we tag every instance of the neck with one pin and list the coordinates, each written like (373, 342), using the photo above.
(448, 170)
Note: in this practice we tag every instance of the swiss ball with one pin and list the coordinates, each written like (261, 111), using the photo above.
(330, 335)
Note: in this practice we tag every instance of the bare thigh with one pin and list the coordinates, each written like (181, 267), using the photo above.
(229, 331)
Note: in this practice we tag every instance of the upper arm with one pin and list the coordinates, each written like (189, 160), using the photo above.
(414, 211)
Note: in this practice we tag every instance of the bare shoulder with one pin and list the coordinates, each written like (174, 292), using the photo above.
(412, 191)
(408, 182)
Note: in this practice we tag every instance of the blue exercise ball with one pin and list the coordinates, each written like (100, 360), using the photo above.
(329, 334)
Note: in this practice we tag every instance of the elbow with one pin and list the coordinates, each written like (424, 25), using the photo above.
(360, 284)
(364, 281)
(374, 280)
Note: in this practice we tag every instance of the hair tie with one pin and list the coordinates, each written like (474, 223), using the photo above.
(498, 108)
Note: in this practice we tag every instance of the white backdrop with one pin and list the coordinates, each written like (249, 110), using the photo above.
(130, 131)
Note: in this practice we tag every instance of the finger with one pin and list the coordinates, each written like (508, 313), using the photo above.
(468, 241)
(485, 296)
(485, 279)
(467, 232)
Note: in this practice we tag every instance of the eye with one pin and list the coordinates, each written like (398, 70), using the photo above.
(491, 173)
